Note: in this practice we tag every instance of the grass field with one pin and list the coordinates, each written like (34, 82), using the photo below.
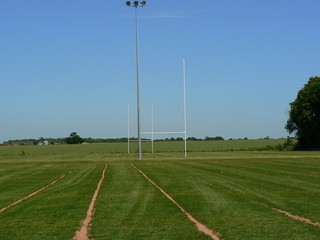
(159, 147)
(237, 195)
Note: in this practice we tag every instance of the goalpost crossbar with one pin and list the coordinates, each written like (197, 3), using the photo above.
(163, 132)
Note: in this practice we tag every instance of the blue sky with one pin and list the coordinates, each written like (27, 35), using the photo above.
(70, 66)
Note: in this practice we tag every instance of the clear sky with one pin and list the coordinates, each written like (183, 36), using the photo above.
(69, 65)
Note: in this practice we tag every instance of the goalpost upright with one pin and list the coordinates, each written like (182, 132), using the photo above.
(152, 118)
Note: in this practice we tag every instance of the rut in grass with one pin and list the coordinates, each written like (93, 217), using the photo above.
(30, 195)
(201, 227)
(82, 234)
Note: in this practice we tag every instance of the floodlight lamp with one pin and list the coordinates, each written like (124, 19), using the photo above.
(136, 3)
(128, 3)
(143, 3)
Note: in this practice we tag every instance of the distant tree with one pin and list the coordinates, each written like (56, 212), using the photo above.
(74, 138)
(88, 140)
(304, 115)
(193, 139)
(217, 138)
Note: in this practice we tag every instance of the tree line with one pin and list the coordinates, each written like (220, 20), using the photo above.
(74, 138)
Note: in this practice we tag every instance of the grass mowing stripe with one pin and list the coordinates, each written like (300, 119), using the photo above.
(302, 201)
(299, 218)
(201, 227)
(56, 212)
(30, 195)
(228, 213)
(266, 177)
(283, 173)
(279, 168)
(296, 217)
(23, 178)
(291, 215)
(82, 234)
(130, 208)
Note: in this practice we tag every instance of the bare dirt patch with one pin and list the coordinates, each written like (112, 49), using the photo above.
(30, 195)
(201, 227)
(82, 234)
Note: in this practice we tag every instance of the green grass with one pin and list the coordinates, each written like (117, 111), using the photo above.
(159, 147)
(131, 208)
(54, 213)
(212, 146)
(226, 191)
(231, 204)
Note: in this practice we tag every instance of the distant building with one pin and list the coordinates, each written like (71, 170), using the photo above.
(44, 143)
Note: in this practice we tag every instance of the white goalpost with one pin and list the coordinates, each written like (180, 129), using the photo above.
(152, 133)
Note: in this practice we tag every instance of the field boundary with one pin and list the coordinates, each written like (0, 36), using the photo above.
(30, 195)
(82, 234)
(201, 227)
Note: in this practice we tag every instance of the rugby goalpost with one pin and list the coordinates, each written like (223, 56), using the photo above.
(152, 133)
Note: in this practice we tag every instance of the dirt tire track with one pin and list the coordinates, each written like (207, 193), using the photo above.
(30, 195)
(82, 234)
(201, 227)
(296, 217)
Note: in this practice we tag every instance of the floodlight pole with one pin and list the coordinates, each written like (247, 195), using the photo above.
(152, 137)
(185, 108)
(137, 4)
(138, 89)
(128, 128)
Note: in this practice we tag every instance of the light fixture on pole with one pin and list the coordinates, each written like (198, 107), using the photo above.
(137, 4)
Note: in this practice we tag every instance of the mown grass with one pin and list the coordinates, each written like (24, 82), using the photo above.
(227, 191)
(159, 147)
(54, 213)
(19, 180)
(213, 146)
(131, 208)
(231, 202)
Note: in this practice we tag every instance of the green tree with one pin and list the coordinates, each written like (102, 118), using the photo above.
(304, 115)
(74, 138)
(217, 138)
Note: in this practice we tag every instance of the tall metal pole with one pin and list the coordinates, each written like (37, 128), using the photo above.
(128, 129)
(137, 4)
(152, 137)
(138, 87)
(185, 108)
